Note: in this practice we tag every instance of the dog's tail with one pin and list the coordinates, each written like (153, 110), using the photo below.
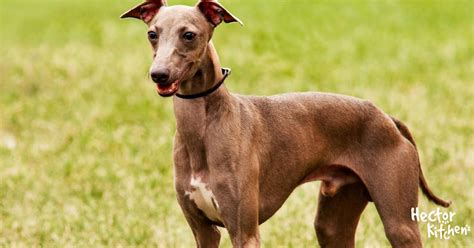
(423, 184)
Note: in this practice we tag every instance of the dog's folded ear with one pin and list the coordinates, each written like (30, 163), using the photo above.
(145, 11)
(215, 13)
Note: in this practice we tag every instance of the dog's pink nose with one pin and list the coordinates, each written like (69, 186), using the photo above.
(160, 77)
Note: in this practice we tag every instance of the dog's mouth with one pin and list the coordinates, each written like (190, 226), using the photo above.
(167, 89)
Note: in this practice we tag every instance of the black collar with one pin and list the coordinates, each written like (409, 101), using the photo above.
(225, 73)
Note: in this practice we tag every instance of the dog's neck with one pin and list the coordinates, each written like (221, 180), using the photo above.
(207, 74)
(191, 114)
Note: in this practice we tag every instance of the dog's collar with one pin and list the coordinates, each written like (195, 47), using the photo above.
(225, 73)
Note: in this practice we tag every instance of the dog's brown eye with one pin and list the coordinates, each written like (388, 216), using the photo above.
(189, 36)
(152, 36)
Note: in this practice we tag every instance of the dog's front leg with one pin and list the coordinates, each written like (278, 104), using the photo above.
(236, 188)
(205, 233)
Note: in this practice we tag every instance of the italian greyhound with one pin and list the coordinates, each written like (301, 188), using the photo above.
(238, 158)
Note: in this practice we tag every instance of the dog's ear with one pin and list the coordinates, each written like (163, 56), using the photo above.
(145, 11)
(215, 13)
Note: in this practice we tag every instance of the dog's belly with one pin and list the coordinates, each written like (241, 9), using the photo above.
(204, 199)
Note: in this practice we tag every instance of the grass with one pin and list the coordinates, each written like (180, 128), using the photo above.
(85, 143)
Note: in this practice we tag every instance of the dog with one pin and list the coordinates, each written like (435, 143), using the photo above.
(238, 158)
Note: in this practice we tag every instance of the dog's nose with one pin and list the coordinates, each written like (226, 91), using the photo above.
(160, 77)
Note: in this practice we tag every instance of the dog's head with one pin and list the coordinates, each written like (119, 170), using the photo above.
(179, 36)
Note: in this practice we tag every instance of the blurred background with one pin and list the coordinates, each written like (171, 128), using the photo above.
(85, 142)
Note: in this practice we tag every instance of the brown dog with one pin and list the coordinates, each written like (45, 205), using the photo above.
(238, 158)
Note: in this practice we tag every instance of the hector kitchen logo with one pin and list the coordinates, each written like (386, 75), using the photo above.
(439, 223)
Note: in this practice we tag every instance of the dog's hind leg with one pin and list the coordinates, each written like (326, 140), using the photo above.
(393, 186)
(337, 216)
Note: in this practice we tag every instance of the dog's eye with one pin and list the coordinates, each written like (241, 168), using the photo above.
(189, 36)
(152, 36)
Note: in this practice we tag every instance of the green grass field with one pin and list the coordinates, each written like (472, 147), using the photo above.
(85, 142)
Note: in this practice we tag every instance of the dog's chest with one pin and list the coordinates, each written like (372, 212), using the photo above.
(204, 199)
